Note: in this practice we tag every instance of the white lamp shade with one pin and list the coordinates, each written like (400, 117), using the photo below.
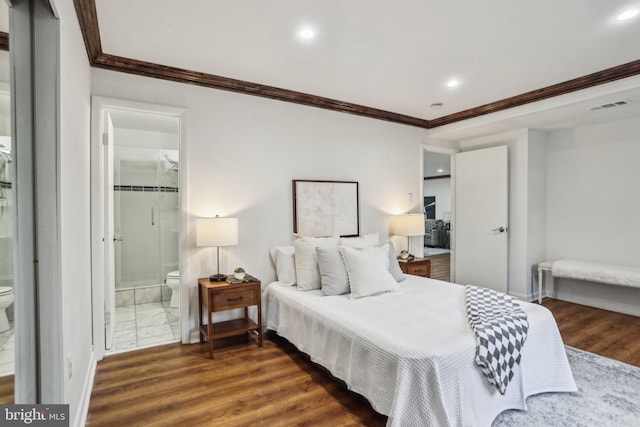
(408, 225)
(216, 231)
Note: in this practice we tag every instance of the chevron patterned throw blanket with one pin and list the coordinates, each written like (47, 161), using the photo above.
(501, 328)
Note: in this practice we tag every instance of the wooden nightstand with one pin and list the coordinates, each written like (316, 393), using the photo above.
(417, 267)
(221, 296)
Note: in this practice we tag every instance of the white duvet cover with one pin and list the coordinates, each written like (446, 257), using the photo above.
(411, 352)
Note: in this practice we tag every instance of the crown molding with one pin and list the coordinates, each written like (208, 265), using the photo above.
(600, 77)
(88, 19)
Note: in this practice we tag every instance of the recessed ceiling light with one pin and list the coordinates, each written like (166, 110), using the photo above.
(453, 83)
(306, 33)
(628, 14)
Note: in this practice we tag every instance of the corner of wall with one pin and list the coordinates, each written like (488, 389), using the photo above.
(80, 416)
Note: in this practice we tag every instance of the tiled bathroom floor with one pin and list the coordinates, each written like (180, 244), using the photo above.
(7, 352)
(145, 324)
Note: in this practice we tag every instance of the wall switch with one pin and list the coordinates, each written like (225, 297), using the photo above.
(410, 197)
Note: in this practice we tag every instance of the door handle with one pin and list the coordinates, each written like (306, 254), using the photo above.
(117, 239)
(500, 229)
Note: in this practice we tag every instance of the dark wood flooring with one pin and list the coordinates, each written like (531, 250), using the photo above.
(277, 385)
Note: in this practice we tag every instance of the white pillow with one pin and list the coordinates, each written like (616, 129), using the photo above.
(333, 275)
(360, 242)
(394, 267)
(285, 268)
(284, 262)
(306, 260)
(368, 270)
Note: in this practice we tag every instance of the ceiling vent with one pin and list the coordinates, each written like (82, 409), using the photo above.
(610, 105)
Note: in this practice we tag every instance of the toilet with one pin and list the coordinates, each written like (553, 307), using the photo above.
(173, 282)
(6, 299)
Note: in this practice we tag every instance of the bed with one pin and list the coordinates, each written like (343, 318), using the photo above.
(411, 352)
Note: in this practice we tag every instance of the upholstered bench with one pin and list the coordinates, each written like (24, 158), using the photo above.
(612, 274)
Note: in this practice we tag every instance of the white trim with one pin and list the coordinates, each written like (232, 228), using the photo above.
(83, 406)
(26, 328)
(100, 104)
(48, 240)
(97, 248)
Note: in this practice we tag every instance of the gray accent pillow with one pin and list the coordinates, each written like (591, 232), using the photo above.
(333, 274)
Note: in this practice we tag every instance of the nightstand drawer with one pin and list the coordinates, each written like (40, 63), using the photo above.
(225, 300)
(418, 269)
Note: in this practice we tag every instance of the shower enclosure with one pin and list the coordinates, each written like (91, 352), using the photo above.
(146, 223)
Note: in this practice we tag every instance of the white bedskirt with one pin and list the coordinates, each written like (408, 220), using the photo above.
(411, 353)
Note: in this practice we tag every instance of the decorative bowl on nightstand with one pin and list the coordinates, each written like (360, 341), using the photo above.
(239, 273)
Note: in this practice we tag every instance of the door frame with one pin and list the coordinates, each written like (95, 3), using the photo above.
(430, 148)
(99, 105)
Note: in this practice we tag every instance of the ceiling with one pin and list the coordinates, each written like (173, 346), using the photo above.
(376, 54)
(398, 60)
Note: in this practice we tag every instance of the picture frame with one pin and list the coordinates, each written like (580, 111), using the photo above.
(326, 208)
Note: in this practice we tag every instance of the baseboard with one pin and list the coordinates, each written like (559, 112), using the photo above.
(194, 337)
(523, 297)
(83, 406)
(618, 307)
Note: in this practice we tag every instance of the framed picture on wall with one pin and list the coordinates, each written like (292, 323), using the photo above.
(326, 208)
(430, 207)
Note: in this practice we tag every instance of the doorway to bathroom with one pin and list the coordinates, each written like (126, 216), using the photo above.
(139, 162)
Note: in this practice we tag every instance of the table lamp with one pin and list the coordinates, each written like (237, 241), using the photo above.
(217, 232)
(408, 225)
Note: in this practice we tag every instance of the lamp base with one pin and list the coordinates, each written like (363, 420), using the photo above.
(217, 278)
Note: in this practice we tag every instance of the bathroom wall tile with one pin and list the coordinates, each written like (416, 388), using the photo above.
(147, 295)
(124, 298)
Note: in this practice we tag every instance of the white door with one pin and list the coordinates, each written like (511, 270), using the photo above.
(110, 239)
(481, 218)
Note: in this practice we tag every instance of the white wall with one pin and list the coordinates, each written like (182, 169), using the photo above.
(242, 152)
(441, 188)
(537, 204)
(593, 200)
(145, 138)
(75, 215)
